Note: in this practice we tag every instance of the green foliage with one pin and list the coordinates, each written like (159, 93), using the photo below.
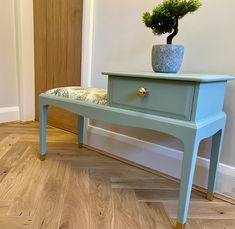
(165, 16)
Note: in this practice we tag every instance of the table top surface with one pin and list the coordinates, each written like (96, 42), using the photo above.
(172, 76)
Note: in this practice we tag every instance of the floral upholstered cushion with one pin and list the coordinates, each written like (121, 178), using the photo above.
(92, 95)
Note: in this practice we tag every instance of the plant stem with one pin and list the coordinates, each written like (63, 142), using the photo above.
(175, 32)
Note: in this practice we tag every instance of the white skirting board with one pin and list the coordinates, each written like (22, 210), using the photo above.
(9, 114)
(160, 158)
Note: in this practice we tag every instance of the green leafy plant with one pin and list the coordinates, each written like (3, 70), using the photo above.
(165, 16)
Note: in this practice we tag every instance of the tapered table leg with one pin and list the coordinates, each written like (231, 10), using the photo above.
(216, 147)
(187, 173)
(43, 128)
(80, 131)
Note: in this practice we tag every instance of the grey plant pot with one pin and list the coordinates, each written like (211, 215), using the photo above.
(167, 58)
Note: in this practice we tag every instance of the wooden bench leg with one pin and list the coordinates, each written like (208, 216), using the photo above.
(187, 173)
(80, 131)
(43, 128)
(216, 147)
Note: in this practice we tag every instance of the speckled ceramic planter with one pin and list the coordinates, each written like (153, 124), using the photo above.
(167, 58)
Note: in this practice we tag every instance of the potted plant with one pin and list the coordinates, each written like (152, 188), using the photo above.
(165, 19)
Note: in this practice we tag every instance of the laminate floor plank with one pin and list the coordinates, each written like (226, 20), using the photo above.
(79, 188)
(6, 143)
(13, 182)
(138, 183)
(161, 194)
(9, 222)
(49, 207)
(126, 210)
(4, 207)
(25, 202)
(202, 210)
(12, 159)
(122, 171)
(215, 223)
(101, 205)
(76, 208)
(155, 217)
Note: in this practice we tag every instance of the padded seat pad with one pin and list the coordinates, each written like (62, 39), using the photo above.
(91, 95)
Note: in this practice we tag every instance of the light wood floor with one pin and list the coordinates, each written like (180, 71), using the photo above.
(82, 189)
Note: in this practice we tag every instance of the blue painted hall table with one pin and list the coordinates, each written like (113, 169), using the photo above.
(186, 106)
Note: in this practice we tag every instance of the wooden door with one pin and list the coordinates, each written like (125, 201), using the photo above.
(58, 39)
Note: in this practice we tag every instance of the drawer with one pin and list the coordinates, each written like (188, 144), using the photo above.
(168, 98)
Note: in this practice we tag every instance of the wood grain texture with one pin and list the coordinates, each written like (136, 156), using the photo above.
(76, 208)
(4, 207)
(48, 212)
(101, 204)
(80, 188)
(155, 217)
(12, 183)
(26, 201)
(126, 209)
(6, 144)
(11, 222)
(58, 45)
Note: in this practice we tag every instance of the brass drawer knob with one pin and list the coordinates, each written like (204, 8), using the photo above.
(143, 91)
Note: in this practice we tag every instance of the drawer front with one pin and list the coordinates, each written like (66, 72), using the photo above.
(173, 99)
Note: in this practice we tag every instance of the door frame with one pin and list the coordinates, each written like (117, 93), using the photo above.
(25, 53)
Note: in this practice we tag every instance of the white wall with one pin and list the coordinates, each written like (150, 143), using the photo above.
(120, 39)
(122, 42)
(9, 105)
(209, 39)
(16, 61)
(25, 58)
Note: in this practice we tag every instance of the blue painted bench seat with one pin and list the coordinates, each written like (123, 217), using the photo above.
(204, 117)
